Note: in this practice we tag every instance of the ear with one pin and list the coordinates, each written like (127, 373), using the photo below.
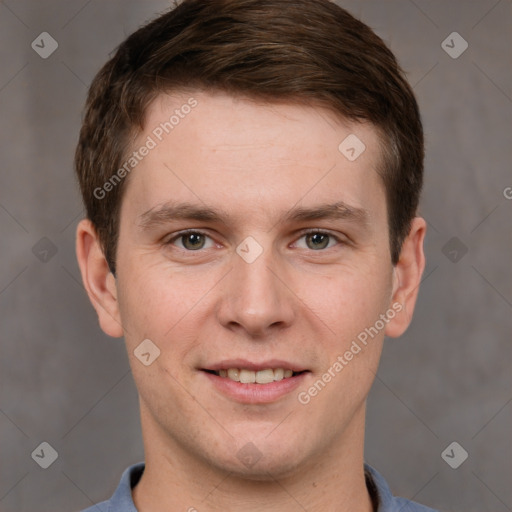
(99, 282)
(406, 278)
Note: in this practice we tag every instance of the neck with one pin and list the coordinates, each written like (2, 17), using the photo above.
(175, 480)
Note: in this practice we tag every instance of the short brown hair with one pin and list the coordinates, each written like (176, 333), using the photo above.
(306, 51)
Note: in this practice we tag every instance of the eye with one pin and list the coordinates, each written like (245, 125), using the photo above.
(191, 240)
(318, 240)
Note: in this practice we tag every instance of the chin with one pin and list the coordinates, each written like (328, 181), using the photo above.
(261, 460)
(266, 469)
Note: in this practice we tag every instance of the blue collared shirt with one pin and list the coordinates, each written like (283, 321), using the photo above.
(122, 501)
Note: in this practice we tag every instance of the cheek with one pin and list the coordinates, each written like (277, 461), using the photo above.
(347, 309)
(153, 306)
(157, 303)
(348, 300)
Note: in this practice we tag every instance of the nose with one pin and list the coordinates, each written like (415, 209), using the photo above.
(255, 298)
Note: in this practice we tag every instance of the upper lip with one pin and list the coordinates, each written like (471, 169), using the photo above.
(251, 365)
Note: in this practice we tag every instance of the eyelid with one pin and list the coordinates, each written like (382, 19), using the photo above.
(312, 231)
(175, 236)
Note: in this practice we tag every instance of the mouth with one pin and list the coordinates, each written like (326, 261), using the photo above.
(255, 383)
(265, 376)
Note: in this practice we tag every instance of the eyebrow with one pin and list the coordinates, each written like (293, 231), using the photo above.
(169, 212)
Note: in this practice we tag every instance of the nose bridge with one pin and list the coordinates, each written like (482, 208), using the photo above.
(255, 297)
(257, 280)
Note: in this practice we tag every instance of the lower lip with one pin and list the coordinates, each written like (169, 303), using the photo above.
(256, 393)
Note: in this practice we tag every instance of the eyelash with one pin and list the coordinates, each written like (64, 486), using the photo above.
(181, 234)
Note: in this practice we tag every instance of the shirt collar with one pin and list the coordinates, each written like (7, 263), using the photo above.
(122, 497)
(378, 488)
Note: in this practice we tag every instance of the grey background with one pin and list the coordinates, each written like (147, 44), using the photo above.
(447, 379)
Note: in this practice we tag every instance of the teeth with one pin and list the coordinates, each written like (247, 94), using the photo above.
(265, 376)
(233, 374)
(261, 377)
(247, 376)
(278, 374)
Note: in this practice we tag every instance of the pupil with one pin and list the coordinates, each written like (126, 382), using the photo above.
(193, 241)
(319, 240)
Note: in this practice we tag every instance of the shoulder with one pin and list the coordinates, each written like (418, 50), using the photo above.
(403, 505)
(104, 506)
(386, 501)
(121, 500)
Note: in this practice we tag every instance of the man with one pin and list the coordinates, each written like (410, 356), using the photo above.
(251, 171)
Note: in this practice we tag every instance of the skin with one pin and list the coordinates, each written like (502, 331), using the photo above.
(256, 162)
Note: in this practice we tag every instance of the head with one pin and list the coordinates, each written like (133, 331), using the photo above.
(284, 137)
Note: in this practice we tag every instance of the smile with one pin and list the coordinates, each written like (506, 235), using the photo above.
(255, 383)
(265, 376)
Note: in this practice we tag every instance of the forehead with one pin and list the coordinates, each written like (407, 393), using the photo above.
(215, 148)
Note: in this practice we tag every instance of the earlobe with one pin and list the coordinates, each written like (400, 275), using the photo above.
(98, 281)
(406, 278)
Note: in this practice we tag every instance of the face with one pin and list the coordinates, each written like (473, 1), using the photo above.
(250, 247)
